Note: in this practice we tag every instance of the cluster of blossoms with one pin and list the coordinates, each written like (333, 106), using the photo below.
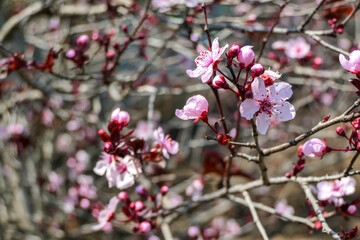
(220, 228)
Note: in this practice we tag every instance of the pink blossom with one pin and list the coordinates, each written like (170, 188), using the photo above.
(226, 228)
(143, 130)
(267, 102)
(297, 48)
(193, 231)
(246, 56)
(283, 208)
(55, 181)
(314, 148)
(120, 117)
(106, 214)
(119, 172)
(353, 64)
(144, 227)
(195, 189)
(333, 191)
(196, 107)
(207, 62)
(166, 143)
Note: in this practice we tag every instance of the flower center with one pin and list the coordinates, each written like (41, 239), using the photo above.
(266, 105)
(205, 59)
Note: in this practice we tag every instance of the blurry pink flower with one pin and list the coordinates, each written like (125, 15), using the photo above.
(283, 208)
(106, 214)
(267, 102)
(143, 130)
(246, 56)
(333, 191)
(195, 189)
(314, 148)
(193, 232)
(144, 227)
(196, 107)
(120, 117)
(207, 62)
(226, 228)
(167, 144)
(353, 64)
(55, 181)
(297, 48)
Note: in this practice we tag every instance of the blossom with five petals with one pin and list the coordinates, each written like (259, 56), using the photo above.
(166, 143)
(267, 102)
(196, 108)
(353, 64)
(207, 62)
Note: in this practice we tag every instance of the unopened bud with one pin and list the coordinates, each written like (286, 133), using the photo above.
(234, 51)
(351, 210)
(139, 205)
(340, 131)
(104, 136)
(300, 151)
(82, 41)
(124, 29)
(164, 190)
(144, 227)
(257, 69)
(108, 147)
(70, 54)
(288, 175)
(220, 82)
(142, 191)
(123, 196)
(110, 54)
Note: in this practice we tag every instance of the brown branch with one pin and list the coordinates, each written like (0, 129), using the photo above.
(349, 168)
(309, 17)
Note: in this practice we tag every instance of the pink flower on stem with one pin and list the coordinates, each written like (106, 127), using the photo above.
(353, 64)
(283, 208)
(120, 117)
(267, 102)
(196, 108)
(106, 214)
(166, 143)
(207, 62)
(314, 148)
(246, 57)
(195, 189)
(297, 48)
(333, 191)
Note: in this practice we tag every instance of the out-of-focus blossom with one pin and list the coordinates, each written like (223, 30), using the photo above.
(297, 48)
(144, 227)
(353, 64)
(283, 208)
(195, 189)
(196, 108)
(166, 143)
(279, 45)
(333, 191)
(55, 181)
(106, 214)
(267, 102)
(207, 62)
(246, 56)
(193, 232)
(226, 228)
(314, 148)
(143, 130)
(172, 200)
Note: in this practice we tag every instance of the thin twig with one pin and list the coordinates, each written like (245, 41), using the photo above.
(309, 17)
(349, 168)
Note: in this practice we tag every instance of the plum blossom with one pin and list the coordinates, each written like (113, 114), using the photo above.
(226, 228)
(195, 189)
(120, 172)
(106, 214)
(283, 208)
(166, 143)
(314, 148)
(353, 64)
(267, 102)
(207, 62)
(333, 191)
(196, 107)
(120, 117)
(297, 48)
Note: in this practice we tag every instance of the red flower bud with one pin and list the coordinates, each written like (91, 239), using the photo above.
(234, 51)
(82, 41)
(164, 189)
(220, 82)
(257, 69)
(340, 131)
(108, 147)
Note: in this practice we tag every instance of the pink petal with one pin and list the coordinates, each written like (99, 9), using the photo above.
(101, 167)
(344, 62)
(285, 111)
(124, 180)
(263, 122)
(282, 89)
(196, 73)
(248, 108)
(205, 78)
(159, 134)
(258, 88)
(215, 46)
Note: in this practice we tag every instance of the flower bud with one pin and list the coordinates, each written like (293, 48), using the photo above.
(317, 225)
(124, 28)
(110, 54)
(340, 131)
(70, 54)
(193, 232)
(144, 227)
(300, 151)
(123, 196)
(164, 189)
(234, 51)
(246, 57)
(120, 117)
(351, 210)
(139, 205)
(104, 136)
(82, 41)
(108, 147)
(288, 175)
(142, 191)
(257, 69)
(220, 82)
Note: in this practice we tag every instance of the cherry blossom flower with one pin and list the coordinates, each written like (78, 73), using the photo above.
(353, 64)
(120, 117)
(196, 108)
(333, 191)
(119, 172)
(207, 62)
(166, 143)
(106, 214)
(246, 57)
(226, 228)
(297, 48)
(314, 148)
(267, 102)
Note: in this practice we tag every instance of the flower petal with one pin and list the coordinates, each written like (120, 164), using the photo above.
(248, 108)
(196, 73)
(282, 90)
(205, 78)
(101, 167)
(344, 62)
(263, 122)
(284, 112)
(258, 88)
